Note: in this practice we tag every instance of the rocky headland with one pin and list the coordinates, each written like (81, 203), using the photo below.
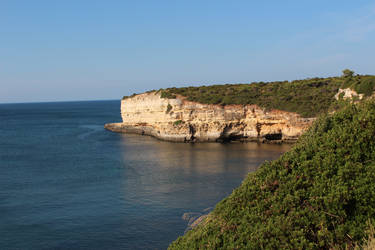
(180, 120)
(272, 112)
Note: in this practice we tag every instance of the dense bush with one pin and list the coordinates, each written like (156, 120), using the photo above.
(365, 85)
(169, 108)
(306, 97)
(309, 97)
(167, 94)
(130, 96)
(318, 195)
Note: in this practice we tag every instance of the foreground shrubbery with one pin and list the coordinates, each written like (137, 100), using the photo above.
(369, 242)
(321, 194)
(309, 97)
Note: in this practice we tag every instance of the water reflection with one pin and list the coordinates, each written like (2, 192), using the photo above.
(188, 176)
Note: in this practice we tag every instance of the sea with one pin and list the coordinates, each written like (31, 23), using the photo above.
(67, 183)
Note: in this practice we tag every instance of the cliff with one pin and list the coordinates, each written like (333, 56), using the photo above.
(181, 120)
(265, 112)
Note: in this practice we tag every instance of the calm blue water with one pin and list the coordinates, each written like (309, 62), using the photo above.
(66, 183)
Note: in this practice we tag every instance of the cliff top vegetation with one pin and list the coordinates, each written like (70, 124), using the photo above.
(319, 195)
(308, 97)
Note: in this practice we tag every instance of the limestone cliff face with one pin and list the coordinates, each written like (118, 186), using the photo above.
(184, 121)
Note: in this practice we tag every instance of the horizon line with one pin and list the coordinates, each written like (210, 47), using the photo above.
(36, 102)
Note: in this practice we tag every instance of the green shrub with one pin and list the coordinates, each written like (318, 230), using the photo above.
(347, 73)
(130, 96)
(169, 108)
(167, 94)
(319, 195)
(178, 122)
(365, 86)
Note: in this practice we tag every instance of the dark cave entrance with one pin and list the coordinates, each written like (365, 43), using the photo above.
(273, 137)
(230, 137)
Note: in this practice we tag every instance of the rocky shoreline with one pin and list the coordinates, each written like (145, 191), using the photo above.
(149, 131)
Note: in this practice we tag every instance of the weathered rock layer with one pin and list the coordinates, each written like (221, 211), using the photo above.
(180, 120)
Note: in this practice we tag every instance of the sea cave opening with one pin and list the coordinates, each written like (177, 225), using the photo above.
(273, 137)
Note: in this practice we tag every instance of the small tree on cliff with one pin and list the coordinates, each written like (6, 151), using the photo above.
(347, 73)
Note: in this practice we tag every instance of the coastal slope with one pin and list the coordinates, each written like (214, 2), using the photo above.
(319, 195)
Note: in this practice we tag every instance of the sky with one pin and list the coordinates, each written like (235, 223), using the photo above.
(97, 50)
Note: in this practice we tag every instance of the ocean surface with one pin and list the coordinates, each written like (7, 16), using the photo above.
(66, 183)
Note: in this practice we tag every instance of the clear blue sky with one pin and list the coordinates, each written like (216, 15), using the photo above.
(89, 50)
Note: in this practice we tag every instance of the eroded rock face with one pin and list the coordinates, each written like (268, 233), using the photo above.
(184, 121)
